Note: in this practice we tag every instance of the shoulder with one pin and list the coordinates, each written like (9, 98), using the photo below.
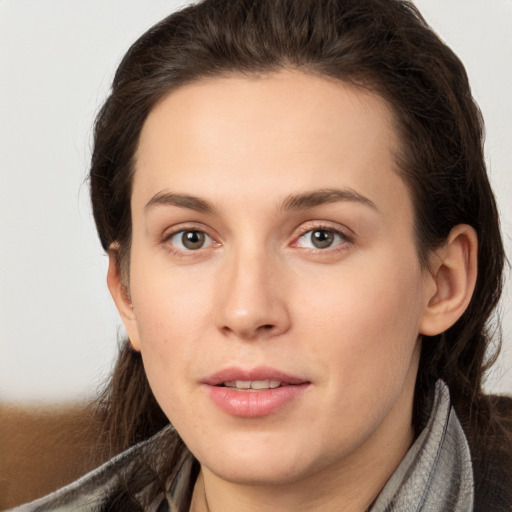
(99, 487)
(489, 434)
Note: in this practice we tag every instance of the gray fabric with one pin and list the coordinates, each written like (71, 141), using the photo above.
(434, 476)
(436, 473)
(88, 492)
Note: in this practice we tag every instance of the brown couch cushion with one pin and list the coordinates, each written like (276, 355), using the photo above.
(44, 448)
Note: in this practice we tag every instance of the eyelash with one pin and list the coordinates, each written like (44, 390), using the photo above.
(188, 229)
(346, 239)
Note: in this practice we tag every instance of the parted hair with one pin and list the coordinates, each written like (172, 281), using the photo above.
(382, 46)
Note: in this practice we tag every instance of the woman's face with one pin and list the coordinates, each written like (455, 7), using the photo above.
(276, 288)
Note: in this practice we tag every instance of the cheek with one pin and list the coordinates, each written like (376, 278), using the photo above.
(172, 315)
(170, 302)
(168, 350)
(170, 329)
(367, 318)
(363, 335)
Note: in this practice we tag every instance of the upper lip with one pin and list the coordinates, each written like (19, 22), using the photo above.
(259, 373)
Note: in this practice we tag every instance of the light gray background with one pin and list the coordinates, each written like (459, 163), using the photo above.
(58, 326)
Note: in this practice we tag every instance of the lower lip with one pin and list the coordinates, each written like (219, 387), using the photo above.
(253, 404)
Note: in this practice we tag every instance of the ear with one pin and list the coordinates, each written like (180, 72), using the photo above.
(121, 295)
(452, 276)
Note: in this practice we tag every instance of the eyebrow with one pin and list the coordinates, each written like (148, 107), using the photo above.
(179, 200)
(302, 201)
(315, 198)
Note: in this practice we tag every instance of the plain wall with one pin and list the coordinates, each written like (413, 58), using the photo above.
(58, 326)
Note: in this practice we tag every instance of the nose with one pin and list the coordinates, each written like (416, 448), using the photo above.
(251, 303)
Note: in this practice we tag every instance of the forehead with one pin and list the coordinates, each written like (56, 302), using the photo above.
(272, 131)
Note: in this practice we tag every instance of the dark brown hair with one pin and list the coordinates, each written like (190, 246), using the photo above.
(384, 46)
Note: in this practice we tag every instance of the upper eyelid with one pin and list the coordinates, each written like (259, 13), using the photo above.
(165, 237)
(341, 229)
(178, 251)
(344, 239)
(172, 235)
(298, 232)
(192, 226)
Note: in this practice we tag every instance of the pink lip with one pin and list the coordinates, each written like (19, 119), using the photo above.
(253, 403)
(260, 373)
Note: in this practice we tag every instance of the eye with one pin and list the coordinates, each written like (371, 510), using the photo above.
(190, 240)
(320, 239)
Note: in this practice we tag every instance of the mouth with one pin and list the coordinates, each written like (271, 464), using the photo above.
(256, 378)
(253, 385)
(254, 393)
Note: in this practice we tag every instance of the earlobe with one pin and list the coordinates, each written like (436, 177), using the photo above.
(121, 295)
(453, 273)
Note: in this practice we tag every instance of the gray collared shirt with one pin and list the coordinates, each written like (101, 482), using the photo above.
(435, 475)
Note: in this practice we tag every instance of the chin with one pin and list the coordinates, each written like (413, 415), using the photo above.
(253, 463)
(252, 475)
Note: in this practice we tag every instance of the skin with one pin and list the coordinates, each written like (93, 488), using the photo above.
(347, 318)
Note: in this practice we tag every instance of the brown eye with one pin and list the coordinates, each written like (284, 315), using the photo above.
(321, 239)
(190, 240)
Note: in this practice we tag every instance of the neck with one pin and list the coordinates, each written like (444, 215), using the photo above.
(350, 484)
(346, 486)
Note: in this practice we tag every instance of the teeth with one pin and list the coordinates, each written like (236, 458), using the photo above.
(264, 384)
(252, 384)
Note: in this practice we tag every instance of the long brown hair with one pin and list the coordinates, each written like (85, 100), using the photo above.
(380, 45)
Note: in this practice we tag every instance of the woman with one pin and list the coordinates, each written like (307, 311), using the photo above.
(305, 251)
